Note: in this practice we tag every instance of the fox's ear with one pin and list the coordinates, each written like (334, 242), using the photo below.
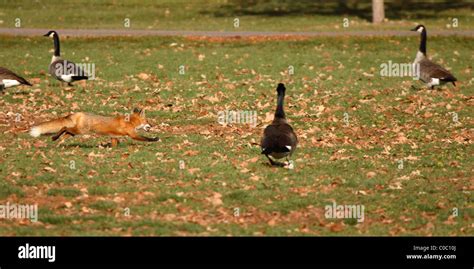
(137, 111)
(142, 113)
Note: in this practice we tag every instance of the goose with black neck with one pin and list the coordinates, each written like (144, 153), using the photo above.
(429, 72)
(279, 139)
(61, 69)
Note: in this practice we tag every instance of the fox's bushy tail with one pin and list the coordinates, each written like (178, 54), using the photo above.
(50, 127)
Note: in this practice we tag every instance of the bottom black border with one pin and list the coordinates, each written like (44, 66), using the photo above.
(243, 250)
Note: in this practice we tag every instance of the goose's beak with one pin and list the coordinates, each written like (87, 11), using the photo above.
(414, 29)
(45, 35)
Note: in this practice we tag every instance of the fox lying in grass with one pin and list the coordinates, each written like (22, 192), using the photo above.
(84, 123)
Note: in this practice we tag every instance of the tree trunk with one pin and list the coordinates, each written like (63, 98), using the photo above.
(378, 12)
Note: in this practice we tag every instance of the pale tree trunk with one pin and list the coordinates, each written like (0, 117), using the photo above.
(378, 12)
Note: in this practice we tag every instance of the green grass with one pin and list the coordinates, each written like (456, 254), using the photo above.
(64, 192)
(219, 15)
(139, 189)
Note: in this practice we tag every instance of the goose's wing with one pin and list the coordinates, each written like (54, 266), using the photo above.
(434, 70)
(8, 74)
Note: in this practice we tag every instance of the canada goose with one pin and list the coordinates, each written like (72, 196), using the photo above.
(430, 73)
(63, 70)
(279, 140)
(9, 79)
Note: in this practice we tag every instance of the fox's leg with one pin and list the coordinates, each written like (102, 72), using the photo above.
(72, 131)
(69, 131)
(138, 137)
(65, 136)
(58, 134)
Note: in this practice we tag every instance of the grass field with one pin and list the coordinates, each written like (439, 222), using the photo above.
(219, 15)
(83, 188)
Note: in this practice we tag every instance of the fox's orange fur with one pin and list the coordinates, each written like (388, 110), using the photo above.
(85, 123)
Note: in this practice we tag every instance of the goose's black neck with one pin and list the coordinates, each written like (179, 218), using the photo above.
(279, 113)
(57, 50)
(423, 42)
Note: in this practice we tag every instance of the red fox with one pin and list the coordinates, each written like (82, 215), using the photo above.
(85, 123)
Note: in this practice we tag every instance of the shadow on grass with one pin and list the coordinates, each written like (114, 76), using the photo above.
(81, 145)
(99, 145)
